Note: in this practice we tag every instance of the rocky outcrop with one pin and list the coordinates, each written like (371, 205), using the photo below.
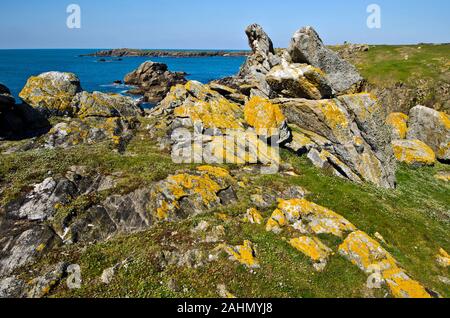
(260, 62)
(307, 47)
(51, 92)
(357, 140)
(432, 128)
(153, 80)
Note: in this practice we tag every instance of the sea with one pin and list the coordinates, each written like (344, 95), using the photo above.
(16, 66)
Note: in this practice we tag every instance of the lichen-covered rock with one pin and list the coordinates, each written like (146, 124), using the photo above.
(184, 194)
(104, 105)
(51, 92)
(92, 130)
(413, 152)
(432, 128)
(253, 216)
(41, 203)
(154, 80)
(22, 246)
(12, 287)
(312, 247)
(313, 218)
(355, 133)
(369, 256)
(244, 254)
(307, 47)
(41, 286)
(276, 222)
(298, 80)
(116, 214)
(399, 125)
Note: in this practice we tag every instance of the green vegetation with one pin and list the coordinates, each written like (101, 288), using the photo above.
(413, 219)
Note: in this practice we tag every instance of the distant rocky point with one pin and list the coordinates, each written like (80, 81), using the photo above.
(165, 53)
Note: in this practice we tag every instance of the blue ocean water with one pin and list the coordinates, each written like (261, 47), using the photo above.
(16, 66)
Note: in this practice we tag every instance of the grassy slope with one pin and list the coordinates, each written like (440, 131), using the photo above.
(385, 65)
(414, 220)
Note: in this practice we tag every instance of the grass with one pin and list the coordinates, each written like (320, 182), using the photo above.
(414, 220)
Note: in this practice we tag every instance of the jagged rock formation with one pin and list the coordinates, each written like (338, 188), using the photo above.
(153, 80)
(262, 60)
(357, 144)
(307, 47)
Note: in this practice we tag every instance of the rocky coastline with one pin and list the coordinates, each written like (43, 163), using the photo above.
(103, 178)
(165, 53)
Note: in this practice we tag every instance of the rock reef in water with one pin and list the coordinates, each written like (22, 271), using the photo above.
(153, 80)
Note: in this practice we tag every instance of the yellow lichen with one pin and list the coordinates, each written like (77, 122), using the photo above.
(332, 114)
(369, 256)
(262, 115)
(311, 247)
(443, 176)
(399, 124)
(413, 152)
(319, 219)
(215, 171)
(244, 254)
(276, 222)
(253, 216)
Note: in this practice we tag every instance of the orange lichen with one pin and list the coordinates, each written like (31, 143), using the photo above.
(332, 114)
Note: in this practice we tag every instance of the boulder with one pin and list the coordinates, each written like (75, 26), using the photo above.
(298, 80)
(154, 80)
(413, 152)
(355, 133)
(398, 123)
(19, 121)
(104, 105)
(432, 128)
(307, 47)
(51, 92)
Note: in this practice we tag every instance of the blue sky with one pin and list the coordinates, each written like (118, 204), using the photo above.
(212, 24)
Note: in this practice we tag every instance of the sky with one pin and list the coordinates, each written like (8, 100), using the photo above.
(213, 24)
